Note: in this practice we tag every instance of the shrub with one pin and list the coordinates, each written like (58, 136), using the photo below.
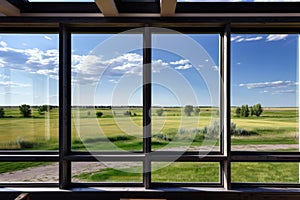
(197, 111)
(2, 112)
(26, 144)
(213, 130)
(127, 113)
(159, 112)
(99, 114)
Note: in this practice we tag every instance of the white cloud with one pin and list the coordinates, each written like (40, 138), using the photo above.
(90, 68)
(284, 91)
(274, 84)
(158, 65)
(47, 38)
(234, 38)
(3, 76)
(9, 93)
(180, 62)
(30, 60)
(215, 68)
(113, 81)
(13, 84)
(3, 44)
(276, 37)
(240, 38)
(182, 67)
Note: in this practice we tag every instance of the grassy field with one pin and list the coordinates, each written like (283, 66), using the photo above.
(173, 130)
(190, 172)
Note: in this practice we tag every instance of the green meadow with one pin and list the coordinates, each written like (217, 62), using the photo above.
(117, 129)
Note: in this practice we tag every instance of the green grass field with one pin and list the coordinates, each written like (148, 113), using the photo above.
(173, 130)
(190, 172)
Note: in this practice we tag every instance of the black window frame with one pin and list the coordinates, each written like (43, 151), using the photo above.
(225, 26)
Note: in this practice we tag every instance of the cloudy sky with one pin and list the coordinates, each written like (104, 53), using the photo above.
(107, 69)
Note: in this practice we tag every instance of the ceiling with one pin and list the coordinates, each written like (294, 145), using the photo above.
(144, 8)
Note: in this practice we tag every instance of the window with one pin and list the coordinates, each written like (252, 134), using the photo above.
(107, 92)
(185, 97)
(264, 74)
(29, 105)
(150, 107)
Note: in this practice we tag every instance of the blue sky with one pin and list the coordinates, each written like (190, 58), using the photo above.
(264, 69)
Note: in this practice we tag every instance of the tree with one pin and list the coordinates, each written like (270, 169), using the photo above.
(238, 111)
(99, 114)
(159, 112)
(188, 109)
(245, 111)
(25, 110)
(251, 111)
(44, 108)
(2, 112)
(257, 110)
(197, 111)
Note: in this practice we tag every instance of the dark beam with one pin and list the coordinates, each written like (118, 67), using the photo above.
(57, 7)
(238, 7)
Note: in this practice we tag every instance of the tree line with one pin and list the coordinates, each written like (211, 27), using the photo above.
(188, 110)
(25, 110)
(246, 111)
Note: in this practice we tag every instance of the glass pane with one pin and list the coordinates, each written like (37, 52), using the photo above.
(186, 172)
(185, 91)
(28, 172)
(264, 92)
(29, 91)
(265, 172)
(113, 172)
(107, 94)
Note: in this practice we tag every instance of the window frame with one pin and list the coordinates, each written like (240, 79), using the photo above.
(65, 156)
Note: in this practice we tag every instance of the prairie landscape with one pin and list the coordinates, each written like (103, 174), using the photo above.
(121, 129)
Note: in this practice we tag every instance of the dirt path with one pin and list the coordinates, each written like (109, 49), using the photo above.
(49, 173)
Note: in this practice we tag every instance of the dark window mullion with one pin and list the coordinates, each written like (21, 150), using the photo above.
(64, 106)
(147, 106)
(225, 107)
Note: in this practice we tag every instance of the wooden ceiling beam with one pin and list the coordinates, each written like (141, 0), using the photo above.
(107, 7)
(8, 9)
(167, 8)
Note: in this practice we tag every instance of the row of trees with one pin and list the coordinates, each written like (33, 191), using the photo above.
(26, 111)
(245, 110)
(188, 110)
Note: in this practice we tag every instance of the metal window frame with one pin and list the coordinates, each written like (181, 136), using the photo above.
(65, 156)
